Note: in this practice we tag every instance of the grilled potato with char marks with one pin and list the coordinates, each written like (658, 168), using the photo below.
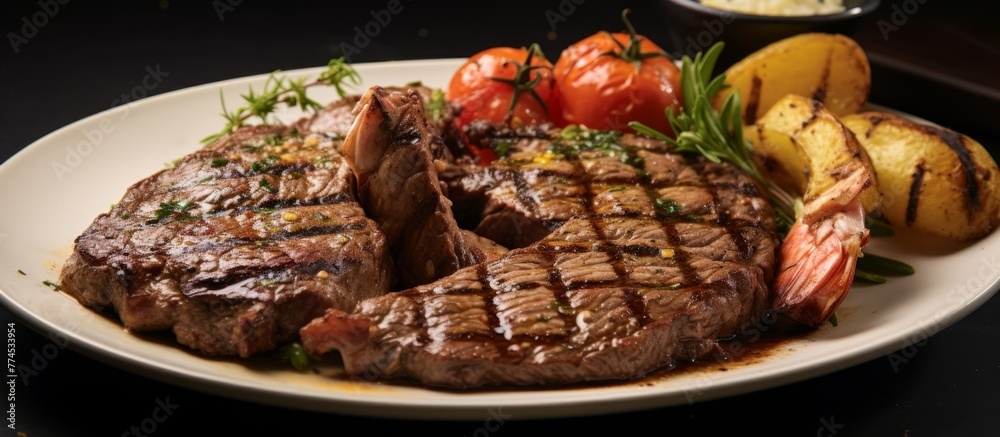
(934, 180)
(830, 68)
(807, 150)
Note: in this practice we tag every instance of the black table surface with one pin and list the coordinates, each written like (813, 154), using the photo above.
(940, 64)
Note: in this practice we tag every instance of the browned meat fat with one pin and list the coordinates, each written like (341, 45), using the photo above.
(389, 147)
(236, 247)
(646, 259)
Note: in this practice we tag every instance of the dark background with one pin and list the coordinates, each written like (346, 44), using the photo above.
(941, 65)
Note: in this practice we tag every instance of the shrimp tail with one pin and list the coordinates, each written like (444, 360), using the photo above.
(819, 255)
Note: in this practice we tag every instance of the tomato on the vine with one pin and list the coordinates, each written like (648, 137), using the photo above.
(608, 79)
(503, 85)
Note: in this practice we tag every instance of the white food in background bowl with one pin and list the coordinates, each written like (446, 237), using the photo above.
(778, 7)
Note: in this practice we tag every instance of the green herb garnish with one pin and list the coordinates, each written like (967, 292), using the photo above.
(878, 228)
(435, 106)
(296, 355)
(882, 266)
(52, 285)
(673, 286)
(218, 162)
(716, 135)
(502, 149)
(869, 277)
(575, 139)
(562, 308)
(265, 165)
(266, 185)
(176, 209)
(283, 91)
(668, 206)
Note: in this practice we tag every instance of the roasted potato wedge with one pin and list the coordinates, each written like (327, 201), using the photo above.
(806, 149)
(779, 157)
(830, 68)
(933, 180)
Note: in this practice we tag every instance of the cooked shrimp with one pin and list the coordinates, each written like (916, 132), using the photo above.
(819, 254)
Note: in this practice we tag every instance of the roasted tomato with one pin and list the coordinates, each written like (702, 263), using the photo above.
(608, 79)
(504, 85)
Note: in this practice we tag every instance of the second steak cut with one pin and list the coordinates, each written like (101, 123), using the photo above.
(647, 259)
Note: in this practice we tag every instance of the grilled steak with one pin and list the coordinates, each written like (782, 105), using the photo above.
(236, 247)
(390, 149)
(649, 257)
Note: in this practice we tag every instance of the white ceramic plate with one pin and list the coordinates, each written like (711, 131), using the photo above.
(61, 182)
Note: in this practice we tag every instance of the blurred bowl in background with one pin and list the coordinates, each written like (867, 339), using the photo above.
(693, 27)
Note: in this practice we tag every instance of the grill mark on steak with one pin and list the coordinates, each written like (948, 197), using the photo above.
(688, 274)
(558, 286)
(524, 192)
(319, 230)
(291, 203)
(633, 300)
(210, 244)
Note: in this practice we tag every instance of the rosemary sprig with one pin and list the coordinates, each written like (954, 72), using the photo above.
(718, 135)
(279, 91)
(873, 266)
(878, 228)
